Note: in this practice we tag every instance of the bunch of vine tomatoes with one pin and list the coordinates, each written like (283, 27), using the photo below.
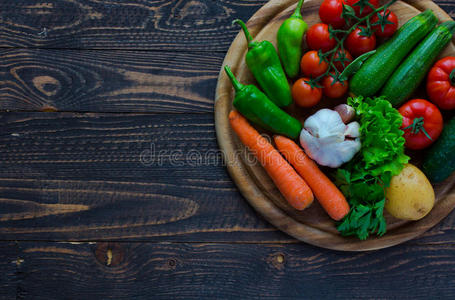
(308, 90)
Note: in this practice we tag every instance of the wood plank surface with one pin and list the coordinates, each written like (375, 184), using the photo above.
(10, 274)
(105, 81)
(79, 176)
(154, 177)
(167, 80)
(136, 24)
(150, 25)
(226, 271)
(65, 176)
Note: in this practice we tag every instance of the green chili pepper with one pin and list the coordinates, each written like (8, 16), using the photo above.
(354, 66)
(289, 38)
(256, 107)
(263, 61)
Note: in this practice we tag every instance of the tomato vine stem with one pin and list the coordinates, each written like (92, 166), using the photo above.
(349, 15)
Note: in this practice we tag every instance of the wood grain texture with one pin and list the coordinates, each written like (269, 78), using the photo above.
(9, 275)
(104, 81)
(108, 80)
(66, 176)
(150, 25)
(103, 24)
(228, 271)
(79, 177)
(312, 225)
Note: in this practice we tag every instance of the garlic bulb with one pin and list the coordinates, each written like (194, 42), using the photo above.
(328, 141)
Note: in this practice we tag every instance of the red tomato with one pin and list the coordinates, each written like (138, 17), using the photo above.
(348, 59)
(312, 66)
(422, 123)
(334, 90)
(389, 29)
(366, 10)
(318, 38)
(358, 44)
(330, 13)
(304, 95)
(441, 83)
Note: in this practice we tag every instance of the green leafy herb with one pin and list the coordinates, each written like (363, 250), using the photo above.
(364, 179)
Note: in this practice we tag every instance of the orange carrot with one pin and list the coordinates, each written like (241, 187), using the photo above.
(291, 185)
(328, 195)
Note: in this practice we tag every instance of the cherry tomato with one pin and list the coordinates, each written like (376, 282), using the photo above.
(334, 90)
(330, 13)
(366, 10)
(358, 44)
(347, 60)
(312, 66)
(422, 123)
(441, 83)
(304, 95)
(318, 38)
(389, 29)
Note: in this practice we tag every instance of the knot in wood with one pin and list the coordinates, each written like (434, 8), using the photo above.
(47, 85)
(277, 260)
(110, 254)
(172, 263)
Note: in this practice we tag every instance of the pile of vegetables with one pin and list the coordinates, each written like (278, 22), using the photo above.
(364, 140)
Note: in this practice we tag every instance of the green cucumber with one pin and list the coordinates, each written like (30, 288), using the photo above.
(439, 161)
(377, 69)
(412, 71)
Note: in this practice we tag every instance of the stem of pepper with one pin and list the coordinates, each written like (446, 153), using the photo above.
(297, 13)
(248, 36)
(452, 77)
(346, 33)
(235, 83)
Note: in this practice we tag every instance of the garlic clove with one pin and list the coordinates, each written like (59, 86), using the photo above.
(352, 130)
(346, 112)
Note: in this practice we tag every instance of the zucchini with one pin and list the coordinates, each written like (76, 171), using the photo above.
(439, 161)
(377, 69)
(412, 71)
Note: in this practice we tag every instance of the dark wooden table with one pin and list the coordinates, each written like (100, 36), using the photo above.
(107, 113)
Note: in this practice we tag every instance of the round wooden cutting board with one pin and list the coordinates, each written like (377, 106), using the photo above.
(312, 225)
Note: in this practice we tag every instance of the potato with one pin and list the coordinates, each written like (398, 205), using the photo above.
(410, 195)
